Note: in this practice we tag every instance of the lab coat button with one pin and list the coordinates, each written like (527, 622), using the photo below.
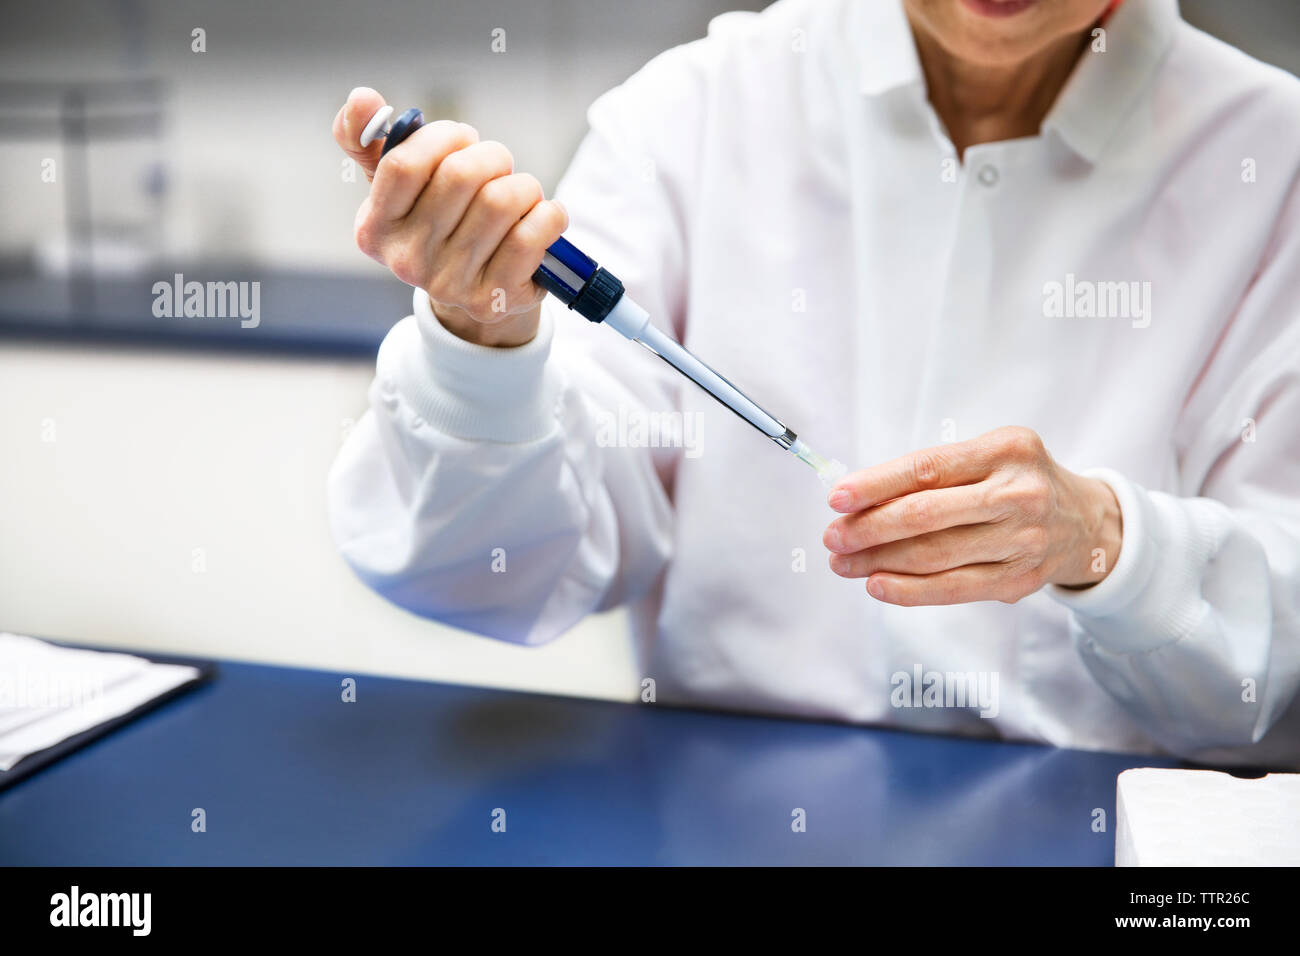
(988, 175)
(417, 423)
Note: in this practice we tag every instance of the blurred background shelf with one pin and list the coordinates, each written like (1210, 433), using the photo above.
(299, 311)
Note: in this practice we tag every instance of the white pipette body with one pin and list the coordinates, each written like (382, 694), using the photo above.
(633, 322)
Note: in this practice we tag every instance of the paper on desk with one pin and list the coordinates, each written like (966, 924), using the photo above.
(50, 693)
(1169, 817)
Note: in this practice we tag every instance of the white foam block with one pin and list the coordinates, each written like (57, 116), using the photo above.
(1206, 818)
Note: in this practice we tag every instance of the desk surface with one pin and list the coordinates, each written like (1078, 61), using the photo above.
(412, 772)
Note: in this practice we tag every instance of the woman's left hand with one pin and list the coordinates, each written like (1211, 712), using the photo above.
(990, 519)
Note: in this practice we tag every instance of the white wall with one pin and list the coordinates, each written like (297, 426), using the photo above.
(252, 167)
(115, 465)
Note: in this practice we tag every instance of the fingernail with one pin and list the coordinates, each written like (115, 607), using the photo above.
(875, 589)
(834, 540)
(358, 89)
(839, 499)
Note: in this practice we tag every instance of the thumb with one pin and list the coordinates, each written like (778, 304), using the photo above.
(362, 104)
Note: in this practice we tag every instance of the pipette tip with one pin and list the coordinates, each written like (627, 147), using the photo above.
(828, 470)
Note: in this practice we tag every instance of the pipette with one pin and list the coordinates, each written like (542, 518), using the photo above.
(597, 295)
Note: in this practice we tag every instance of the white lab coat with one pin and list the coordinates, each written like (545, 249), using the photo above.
(781, 196)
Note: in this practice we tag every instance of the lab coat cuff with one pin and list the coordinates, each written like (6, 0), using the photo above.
(1123, 592)
(476, 392)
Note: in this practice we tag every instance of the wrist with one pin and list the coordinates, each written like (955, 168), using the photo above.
(1099, 538)
(511, 331)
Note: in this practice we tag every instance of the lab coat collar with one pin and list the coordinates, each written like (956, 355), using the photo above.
(889, 58)
(1104, 87)
(1095, 99)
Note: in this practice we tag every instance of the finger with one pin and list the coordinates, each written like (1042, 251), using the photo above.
(460, 175)
(940, 467)
(351, 119)
(493, 212)
(521, 251)
(927, 553)
(909, 516)
(974, 582)
(405, 171)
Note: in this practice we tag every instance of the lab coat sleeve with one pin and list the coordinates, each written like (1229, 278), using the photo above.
(506, 491)
(1196, 630)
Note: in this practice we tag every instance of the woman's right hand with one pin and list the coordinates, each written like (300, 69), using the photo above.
(448, 214)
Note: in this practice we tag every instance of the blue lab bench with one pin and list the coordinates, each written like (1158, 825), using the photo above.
(415, 773)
